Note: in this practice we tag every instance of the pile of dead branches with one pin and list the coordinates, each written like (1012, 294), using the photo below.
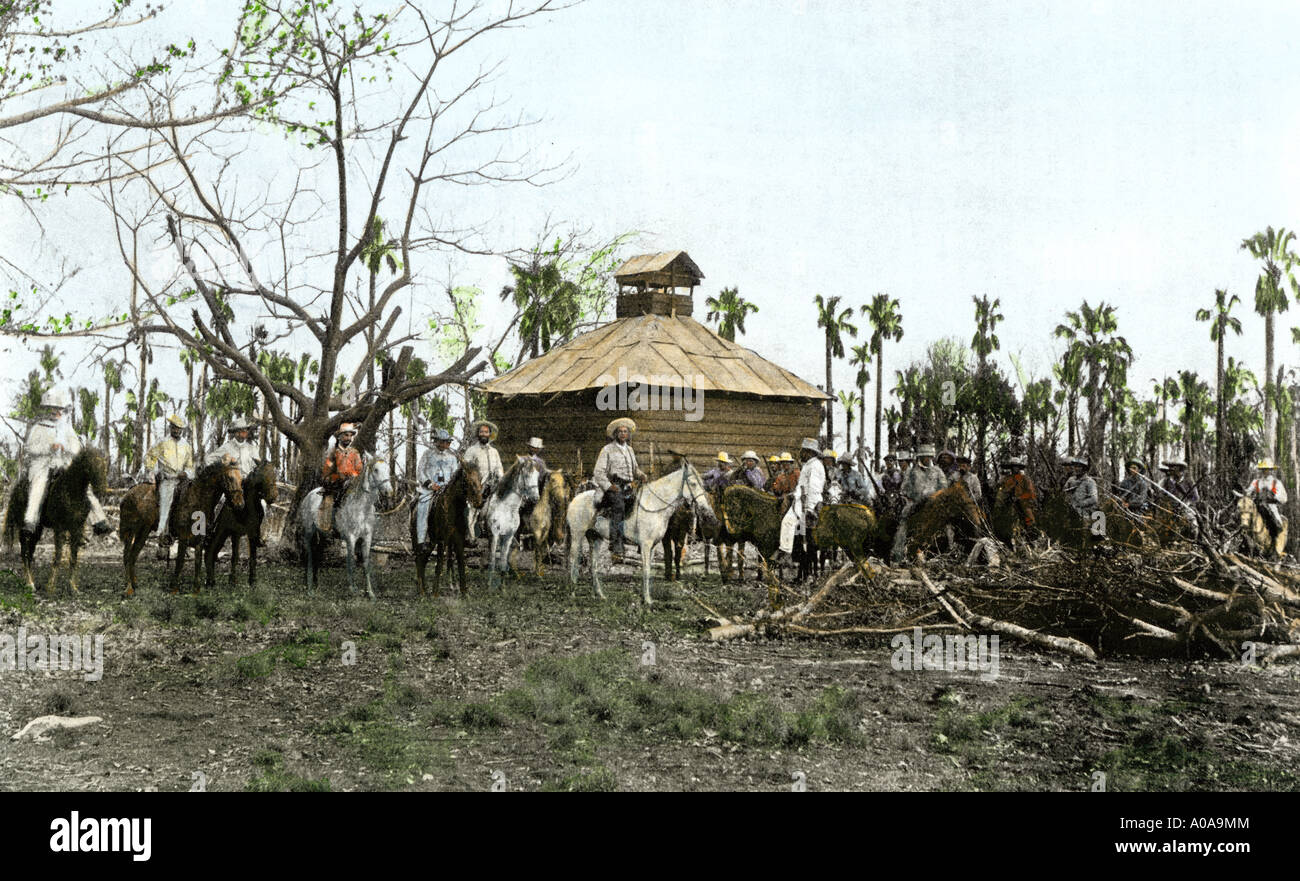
(1187, 601)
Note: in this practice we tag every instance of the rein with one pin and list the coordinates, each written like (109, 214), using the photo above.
(681, 495)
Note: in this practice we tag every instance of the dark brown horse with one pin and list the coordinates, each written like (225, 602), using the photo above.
(191, 515)
(236, 523)
(447, 527)
(64, 511)
(750, 515)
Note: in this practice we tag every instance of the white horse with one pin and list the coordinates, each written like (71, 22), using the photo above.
(354, 521)
(644, 526)
(518, 485)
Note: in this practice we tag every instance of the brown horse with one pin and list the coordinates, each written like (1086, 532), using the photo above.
(750, 515)
(64, 511)
(192, 509)
(547, 522)
(953, 505)
(728, 547)
(448, 526)
(235, 523)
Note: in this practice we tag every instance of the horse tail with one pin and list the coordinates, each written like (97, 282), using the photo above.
(14, 512)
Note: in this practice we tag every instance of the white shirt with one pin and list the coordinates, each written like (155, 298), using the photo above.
(1267, 487)
(486, 458)
(52, 444)
(245, 455)
(812, 483)
(437, 466)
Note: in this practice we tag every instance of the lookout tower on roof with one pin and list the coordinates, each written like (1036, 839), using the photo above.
(648, 284)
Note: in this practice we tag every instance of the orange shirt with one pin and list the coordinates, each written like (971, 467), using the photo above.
(341, 463)
(785, 483)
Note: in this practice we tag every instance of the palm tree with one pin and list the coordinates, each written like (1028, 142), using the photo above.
(886, 324)
(729, 309)
(1095, 343)
(550, 303)
(1274, 249)
(862, 360)
(1221, 321)
(849, 401)
(1067, 372)
(1195, 395)
(376, 251)
(836, 323)
(987, 318)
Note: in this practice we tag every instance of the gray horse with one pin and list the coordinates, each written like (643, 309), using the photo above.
(354, 521)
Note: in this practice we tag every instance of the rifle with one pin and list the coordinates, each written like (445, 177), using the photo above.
(880, 491)
(1191, 512)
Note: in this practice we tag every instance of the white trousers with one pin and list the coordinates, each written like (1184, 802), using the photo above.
(166, 492)
(39, 481)
(422, 514)
(791, 525)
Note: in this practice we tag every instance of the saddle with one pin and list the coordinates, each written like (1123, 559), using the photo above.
(603, 505)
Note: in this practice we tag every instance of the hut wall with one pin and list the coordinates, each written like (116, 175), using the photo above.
(570, 426)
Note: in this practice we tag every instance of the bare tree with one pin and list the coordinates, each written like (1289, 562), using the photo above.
(247, 257)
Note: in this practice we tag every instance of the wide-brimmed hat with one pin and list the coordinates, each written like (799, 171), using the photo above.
(810, 444)
(176, 420)
(1075, 460)
(830, 454)
(345, 428)
(1137, 462)
(1015, 462)
(846, 462)
(775, 457)
(749, 454)
(240, 423)
(961, 459)
(56, 397)
(441, 434)
(891, 455)
(492, 429)
(722, 457)
(620, 422)
(786, 457)
(904, 456)
(1176, 463)
(535, 443)
(949, 453)
(925, 450)
(1266, 465)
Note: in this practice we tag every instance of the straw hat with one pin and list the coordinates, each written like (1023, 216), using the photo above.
(239, 423)
(1266, 465)
(949, 453)
(830, 454)
(441, 434)
(773, 459)
(1015, 462)
(1176, 463)
(1137, 462)
(749, 454)
(891, 455)
(176, 420)
(786, 457)
(346, 428)
(492, 429)
(925, 450)
(535, 443)
(723, 457)
(810, 444)
(620, 422)
(56, 397)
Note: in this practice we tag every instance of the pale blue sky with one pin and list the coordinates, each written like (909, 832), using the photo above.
(1039, 152)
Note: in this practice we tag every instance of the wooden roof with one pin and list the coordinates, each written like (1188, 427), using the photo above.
(667, 268)
(652, 345)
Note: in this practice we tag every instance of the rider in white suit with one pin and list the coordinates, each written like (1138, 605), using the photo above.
(52, 444)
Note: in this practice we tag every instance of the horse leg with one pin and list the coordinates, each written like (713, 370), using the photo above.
(234, 555)
(457, 545)
(252, 561)
(421, 560)
(492, 560)
(198, 566)
(27, 542)
(54, 564)
(540, 548)
(210, 559)
(363, 552)
(349, 546)
(181, 548)
(596, 548)
(647, 551)
(307, 572)
(74, 550)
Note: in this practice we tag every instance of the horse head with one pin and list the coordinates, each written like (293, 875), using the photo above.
(526, 479)
(232, 481)
(270, 488)
(694, 491)
(473, 483)
(379, 478)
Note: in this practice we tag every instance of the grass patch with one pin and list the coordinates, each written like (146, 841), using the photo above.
(274, 778)
(303, 648)
(597, 779)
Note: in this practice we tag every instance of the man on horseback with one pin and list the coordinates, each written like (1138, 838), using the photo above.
(436, 469)
(51, 445)
(1017, 490)
(892, 480)
(1081, 489)
(487, 459)
(750, 474)
(807, 498)
(238, 446)
(1268, 494)
(170, 459)
(832, 490)
(717, 477)
(613, 474)
(857, 489)
(963, 474)
(922, 480)
(342, 465)
(787, 478)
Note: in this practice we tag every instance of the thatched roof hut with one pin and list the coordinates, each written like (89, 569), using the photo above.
(687, 388)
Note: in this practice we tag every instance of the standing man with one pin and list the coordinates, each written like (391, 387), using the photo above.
(239, 446)
(947, 462)
(1133, 491)
(750, 473)
(435, 470)
(963, 474)
(1178, 484)
(833, 491)
(535, 453)
(892, 480)
(169, 460)
(1082, 490)
(342, 465)
(807, 497)
(487, 459)
(1018, 491)
(52, 444)
(922, 480)
(613, 473)
(787, 478)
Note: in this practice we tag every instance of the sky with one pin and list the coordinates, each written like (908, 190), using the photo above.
(1041, 153)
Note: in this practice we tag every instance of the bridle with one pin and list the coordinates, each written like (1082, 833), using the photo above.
(681, 494)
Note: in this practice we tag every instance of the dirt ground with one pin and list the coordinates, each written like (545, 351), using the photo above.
(534, 688)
